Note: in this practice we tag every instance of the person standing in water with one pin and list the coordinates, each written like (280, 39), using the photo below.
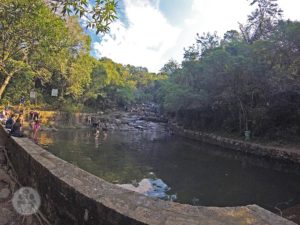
(97, 133)
(36, 128)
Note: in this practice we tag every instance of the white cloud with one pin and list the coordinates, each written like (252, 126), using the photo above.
(150, 40)
(291, 9)
(144, 41)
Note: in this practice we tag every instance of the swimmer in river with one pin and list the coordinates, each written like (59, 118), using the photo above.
(104, 135)
(97, 133)
(104, 131)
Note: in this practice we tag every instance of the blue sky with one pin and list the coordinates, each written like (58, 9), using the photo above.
(150, 32)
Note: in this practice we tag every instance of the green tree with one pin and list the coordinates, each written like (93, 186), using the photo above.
(207, 42)
(79, 75)
(262, 21)
(99, 14)
(170, 67)
(27, 28)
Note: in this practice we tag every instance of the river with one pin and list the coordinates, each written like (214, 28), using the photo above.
(155, 163)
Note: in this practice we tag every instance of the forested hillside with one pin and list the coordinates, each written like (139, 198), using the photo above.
(246, 80)
(249, 79)
(41, 51)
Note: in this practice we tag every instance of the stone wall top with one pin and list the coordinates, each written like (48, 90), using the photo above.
(284, 154)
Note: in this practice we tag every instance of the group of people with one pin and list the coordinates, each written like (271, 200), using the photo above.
(14, 123)
(14, 126)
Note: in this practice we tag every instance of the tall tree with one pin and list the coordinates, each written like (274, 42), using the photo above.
(262, 21)
(207, 42)
(27, 27)
(170, 67)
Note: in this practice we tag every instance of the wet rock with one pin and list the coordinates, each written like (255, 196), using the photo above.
(139, 127)
(150, 187)
(117, 121)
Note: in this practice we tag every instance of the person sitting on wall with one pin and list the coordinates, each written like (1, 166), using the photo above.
(2, 118)
(9, 122)
(16, 129)
(4, 115)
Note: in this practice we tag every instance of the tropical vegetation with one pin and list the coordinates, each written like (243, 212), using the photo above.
(249, 79)
(246, 80)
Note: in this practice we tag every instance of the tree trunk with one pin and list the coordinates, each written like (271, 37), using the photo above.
(4, 85)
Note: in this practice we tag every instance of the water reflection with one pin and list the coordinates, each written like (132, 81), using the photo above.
(97, 143)
(45, 139)
(150, 187)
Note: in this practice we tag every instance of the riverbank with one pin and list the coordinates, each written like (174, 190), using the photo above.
(122, 120)
(288, 153)
(140, 119)
(273, 152)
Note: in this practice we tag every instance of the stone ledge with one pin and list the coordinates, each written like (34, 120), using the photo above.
(289, 155)
(72, 196)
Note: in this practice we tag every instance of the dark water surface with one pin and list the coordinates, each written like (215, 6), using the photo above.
(179, 169)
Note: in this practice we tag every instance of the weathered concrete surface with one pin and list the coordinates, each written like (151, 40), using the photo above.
(8, 216)
(289, 155)
(71, 196)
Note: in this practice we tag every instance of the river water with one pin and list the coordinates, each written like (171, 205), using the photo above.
(153, 162)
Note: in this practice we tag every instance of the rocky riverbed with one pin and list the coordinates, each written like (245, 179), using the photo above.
(126, 121)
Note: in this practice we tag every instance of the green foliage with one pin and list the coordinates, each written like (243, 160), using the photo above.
(20, 86)
(238, 85)
(99, 13)
(116, 84)
(30, 35)
(79, 75)
(41, 51)
(262, 21)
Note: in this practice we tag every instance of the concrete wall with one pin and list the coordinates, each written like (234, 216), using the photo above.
(288, 155)
(71, 196)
